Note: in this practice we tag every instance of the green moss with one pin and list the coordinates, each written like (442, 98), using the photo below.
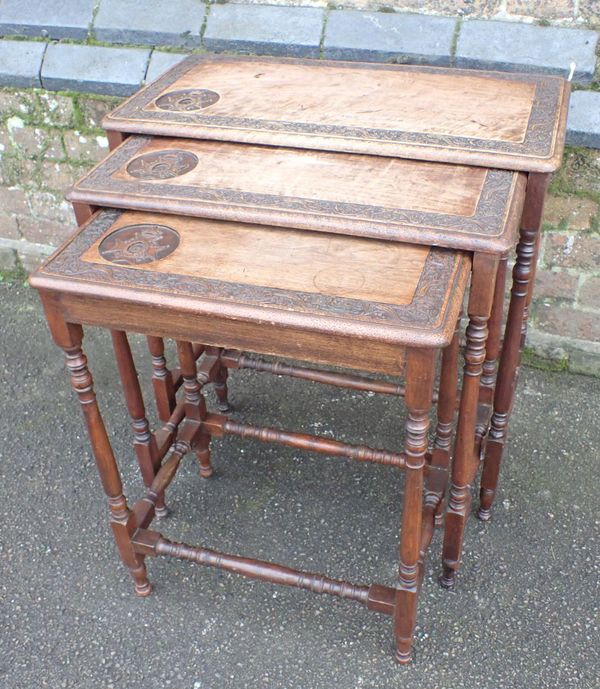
(455, 36)
(535, 360)
(91, 33)
(15, 276)
(323, 31)
(578, 174)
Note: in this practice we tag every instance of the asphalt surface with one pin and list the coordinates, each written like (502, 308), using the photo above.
(524, 614)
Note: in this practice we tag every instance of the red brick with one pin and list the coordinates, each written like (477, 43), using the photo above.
(541, 9)
(581, 251)
(94, 110)
(44, 231)
(58, 110)
(51, 207)
(9, 228)
(555, 284)
(30, 259)
(59, 176)
(7, 258)
(17, 103)
(576, 212)
(13, 200)
(38, 142)
(568, 322)
(86, 146)
(589, 295)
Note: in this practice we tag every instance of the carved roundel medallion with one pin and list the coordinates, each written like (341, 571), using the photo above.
(135, 244)
(187, 100)
(162, 164)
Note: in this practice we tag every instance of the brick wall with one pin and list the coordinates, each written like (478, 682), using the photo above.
(48, 140)
(555, 12)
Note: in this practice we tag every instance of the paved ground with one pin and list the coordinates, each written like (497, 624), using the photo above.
(524, 616)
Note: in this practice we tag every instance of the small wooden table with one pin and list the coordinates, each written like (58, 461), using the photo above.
(352, 302)
(490, 119)
(471, 208)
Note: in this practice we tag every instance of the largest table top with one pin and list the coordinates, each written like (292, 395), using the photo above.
(491, 119)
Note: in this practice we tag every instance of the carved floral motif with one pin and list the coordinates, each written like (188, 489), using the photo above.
(135, 244)
(187, 100)
(162, 164)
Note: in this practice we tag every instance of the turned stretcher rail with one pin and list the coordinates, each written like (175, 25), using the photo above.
(231, 358)
(217, 424)
(374, 596)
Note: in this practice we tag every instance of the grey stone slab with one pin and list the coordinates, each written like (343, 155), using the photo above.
(527, 48)
(20, 63)
(265, 29)
(379, 36)
(153, 22)
(50, 18)
(111, 71)
(583, 124)
(161, 62)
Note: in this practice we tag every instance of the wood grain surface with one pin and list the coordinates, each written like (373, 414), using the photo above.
(453, 206)
(341, 287)
(514, 121)
(294, 260)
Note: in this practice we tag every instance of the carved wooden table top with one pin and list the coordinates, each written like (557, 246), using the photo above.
(492, 119)
(454, 206)
(228, 284)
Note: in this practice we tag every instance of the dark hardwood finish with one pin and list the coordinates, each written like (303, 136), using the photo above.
(69, 337)
(235, 359)
(490, 119)
(514, 340)
(419, 391)
(135, 271)
(220, 425)
(319, 325)
(369, 196)
(144, 445)
(162, 379)
(466, 461)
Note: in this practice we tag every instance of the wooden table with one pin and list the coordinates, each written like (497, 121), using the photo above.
(471, 208)
(276, 291)
(487, 119)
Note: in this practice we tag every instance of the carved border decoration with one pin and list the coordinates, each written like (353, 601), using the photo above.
(487, 221)
(427, 309)
(538, 142)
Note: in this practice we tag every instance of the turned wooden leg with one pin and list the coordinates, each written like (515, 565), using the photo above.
(419, 394)
(195, 405)
(509, 363)
(221, 390)
(465, 461)
(494, 341)
(144, 442)
(220, 380)
(440, 456)
(69, 337)
(514, 339)
(162, 380)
